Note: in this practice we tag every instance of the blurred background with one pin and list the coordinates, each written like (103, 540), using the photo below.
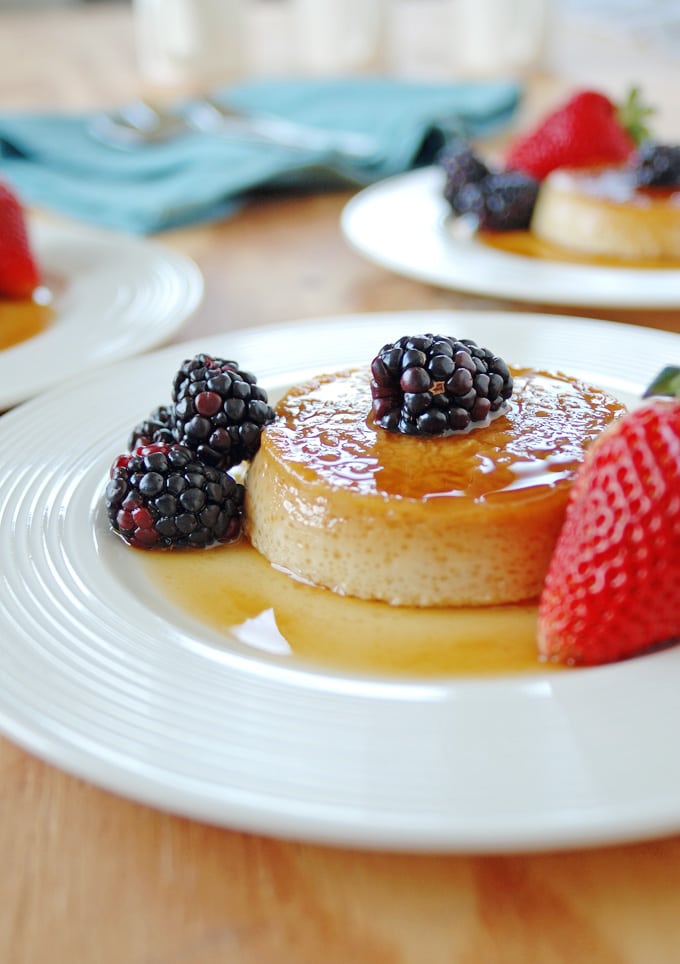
(579, 34)
(609, 44)
(638, 23)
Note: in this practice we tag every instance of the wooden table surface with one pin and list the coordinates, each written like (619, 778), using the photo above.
(88, 877)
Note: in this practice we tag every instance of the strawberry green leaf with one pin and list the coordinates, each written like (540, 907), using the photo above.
(667, 382)
(633, 114)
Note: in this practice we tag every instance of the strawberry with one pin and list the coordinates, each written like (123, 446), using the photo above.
(586, 131)
(613, 584)
(19, 274)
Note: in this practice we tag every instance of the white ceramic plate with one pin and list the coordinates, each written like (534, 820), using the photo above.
(100, 680)
(114, 296)
(402, 223)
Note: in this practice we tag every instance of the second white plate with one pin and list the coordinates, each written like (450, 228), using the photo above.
(114, 296)
(400, 223)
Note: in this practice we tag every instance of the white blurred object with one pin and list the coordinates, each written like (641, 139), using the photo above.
(458, 39)
(188, 43)
(646, 33)
(498, 37)
(652, 22)
(336, 36)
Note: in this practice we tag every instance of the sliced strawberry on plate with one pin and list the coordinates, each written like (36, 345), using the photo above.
(613, 585)
(588, 130)
(19, 272)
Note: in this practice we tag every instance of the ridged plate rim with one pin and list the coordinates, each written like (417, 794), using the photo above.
(114, 296)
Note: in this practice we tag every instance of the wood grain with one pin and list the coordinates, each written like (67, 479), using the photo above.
(88, 878)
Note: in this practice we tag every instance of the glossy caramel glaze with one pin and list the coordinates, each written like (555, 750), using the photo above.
(616, 186)
(324, 433)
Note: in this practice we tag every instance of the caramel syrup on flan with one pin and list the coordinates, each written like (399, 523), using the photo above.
(537, 443)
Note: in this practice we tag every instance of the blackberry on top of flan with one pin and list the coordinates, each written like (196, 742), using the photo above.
(400, 482)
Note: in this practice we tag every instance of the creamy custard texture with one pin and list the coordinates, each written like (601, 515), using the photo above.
(324, 433)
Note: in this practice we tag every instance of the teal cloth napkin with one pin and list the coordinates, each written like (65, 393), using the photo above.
(53, 160)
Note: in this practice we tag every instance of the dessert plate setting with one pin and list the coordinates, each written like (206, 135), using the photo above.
(113, 296)
(404, 223)
(105, 679)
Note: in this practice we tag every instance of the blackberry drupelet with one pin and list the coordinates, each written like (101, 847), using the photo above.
(219, 410)
(657, 165)
(434, 385)
(161, 496)
(158, 427)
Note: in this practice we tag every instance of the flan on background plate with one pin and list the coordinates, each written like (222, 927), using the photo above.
(601, 212)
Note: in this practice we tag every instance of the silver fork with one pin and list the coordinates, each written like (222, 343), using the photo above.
(140, 122)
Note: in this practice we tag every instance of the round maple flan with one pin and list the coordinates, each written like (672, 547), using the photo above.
(602, 212)
(466, 519)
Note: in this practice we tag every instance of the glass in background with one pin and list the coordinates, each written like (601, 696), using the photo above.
(198, 44)
(337, 36)
(189, 44)
(468, 38)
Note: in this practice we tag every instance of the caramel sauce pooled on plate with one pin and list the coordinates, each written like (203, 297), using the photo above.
(234, 590)
(528, 245)
(22, 319)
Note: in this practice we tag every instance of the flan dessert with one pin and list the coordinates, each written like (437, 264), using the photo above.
(466, 519)
(603, 212)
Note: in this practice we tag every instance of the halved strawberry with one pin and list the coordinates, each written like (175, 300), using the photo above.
(613, 585)
(19, 272)
(588, 130)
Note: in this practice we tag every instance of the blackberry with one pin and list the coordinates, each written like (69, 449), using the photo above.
(158, 427)
(499, 201)
(462, 166)
(161, 496)
(219, 410)
(437, 385)
(509, 201)
(657, 165)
